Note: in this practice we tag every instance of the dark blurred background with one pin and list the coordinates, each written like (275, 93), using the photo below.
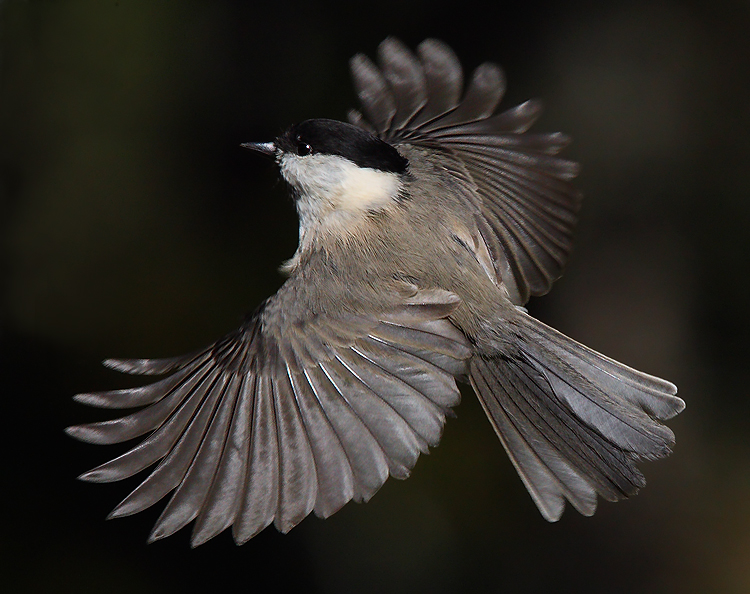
(133, 225)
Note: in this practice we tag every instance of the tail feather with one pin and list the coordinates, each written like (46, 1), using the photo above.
(655, 395)
(623, 404)
(546, 475)
(573, 422)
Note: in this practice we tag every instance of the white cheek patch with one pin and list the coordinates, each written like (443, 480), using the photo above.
(334, 185)
(365, 189)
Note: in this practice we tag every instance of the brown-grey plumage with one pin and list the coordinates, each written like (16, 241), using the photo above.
(422, 231)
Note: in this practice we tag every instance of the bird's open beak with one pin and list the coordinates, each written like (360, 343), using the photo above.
(265, 148)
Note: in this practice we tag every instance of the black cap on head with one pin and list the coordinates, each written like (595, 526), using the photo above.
(330, 137)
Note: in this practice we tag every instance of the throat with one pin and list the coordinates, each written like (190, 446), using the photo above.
(340, 205)
(336, 199)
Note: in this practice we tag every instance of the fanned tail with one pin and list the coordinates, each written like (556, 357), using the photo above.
(573, 421)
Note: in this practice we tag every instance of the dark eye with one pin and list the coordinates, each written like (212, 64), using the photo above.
(303, 148)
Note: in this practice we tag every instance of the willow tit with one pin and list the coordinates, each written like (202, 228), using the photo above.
(426, 223)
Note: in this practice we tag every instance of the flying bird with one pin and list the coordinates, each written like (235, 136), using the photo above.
(426, 223)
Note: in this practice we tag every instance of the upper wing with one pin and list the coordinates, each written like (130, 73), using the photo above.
(526, 200)
(278, 419)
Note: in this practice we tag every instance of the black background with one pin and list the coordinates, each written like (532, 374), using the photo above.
(133, 225)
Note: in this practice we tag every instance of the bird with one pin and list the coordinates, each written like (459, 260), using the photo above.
(426, 222)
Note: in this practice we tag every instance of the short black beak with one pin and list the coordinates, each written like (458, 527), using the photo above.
(265, 148)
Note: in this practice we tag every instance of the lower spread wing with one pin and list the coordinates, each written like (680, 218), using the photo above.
(279, 419)
(525, 197)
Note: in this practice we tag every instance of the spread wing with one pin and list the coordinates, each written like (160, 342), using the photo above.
(282, 418)
(527, 204)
